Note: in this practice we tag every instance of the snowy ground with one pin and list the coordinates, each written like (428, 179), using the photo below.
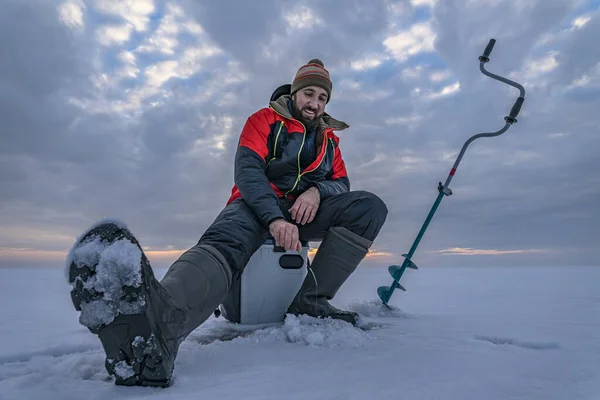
(511, 333)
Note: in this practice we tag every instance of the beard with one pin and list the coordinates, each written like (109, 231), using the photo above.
(309, 123)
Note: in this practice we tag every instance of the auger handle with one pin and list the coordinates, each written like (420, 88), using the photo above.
(488, 50)
(514, 111)
(510, 119)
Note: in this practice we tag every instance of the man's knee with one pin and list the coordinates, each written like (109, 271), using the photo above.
(236, 233)
(365, 215)
(371, 206)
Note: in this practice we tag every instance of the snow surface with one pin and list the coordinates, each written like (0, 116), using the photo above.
(462, 333)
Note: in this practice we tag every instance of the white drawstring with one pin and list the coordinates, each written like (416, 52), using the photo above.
(316, 286)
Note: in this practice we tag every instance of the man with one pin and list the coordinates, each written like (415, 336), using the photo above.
(290, 183)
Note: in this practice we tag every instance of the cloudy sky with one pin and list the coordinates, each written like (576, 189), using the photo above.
(131, 109)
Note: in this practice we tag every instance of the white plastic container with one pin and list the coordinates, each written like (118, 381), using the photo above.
(267, 286)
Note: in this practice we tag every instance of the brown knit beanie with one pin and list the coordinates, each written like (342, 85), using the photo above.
(312, 74)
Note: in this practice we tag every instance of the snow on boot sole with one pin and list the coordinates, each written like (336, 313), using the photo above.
(109, 272)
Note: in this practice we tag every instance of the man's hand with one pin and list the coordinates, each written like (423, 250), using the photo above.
(285, 235)
(306, 205)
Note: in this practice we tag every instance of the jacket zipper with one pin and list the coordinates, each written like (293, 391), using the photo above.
(325, 138)
(275, 145)
(299, 152)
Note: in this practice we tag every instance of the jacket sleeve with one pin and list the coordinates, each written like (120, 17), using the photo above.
(250, 167)
(339, 182)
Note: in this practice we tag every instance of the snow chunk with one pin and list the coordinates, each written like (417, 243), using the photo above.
(71, 253)
(374, 308)
(97, 313)
(142, 346)
(117, 265)
(315, 332)
(138, 341)
(124, 370)
(88, 253)
(326, 332)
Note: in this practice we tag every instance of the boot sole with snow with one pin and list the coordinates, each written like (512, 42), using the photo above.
(129, 334)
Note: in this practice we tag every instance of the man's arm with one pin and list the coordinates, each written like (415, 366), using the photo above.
(338, 182)
(250, 167)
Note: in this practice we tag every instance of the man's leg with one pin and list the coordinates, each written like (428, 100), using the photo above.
(347, 224)
(361, 212)
(141, 322)
(137, 320)
(233, 237)
(236, 233)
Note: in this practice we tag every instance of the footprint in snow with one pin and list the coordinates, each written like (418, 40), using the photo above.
(518, 343)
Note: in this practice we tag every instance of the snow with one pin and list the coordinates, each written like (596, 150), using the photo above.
(123, 370)
(76, 248)
(117, 265)
(457, 333)
(311, 331)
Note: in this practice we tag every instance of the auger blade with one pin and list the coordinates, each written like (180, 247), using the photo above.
(411, 264)
(384, 293)
(395, 271)
(397, 285)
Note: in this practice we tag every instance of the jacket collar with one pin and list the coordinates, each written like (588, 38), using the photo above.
(327, 121)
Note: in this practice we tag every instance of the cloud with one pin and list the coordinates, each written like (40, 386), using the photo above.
(164, 38)
(71, 14)
(423, 3)
(445, 91)
(404, 120)
(440, 76)
(379, 255)
(116, 34)
(580, 21)
(129, 69)
(301, 17)
(133, 110)
(418, 39)
(413, 72)
(136, 12)
(35, 84)
(580, 41)
(367, 63)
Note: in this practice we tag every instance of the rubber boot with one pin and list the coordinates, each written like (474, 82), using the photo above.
(139, 321)
(338, 257)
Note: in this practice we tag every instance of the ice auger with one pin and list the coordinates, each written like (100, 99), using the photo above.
(396, 271)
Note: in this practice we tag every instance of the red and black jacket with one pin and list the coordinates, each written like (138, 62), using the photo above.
(267, 160)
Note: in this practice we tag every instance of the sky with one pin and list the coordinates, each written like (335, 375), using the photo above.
(132, 110)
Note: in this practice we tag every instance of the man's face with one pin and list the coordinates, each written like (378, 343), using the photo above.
(309, 104)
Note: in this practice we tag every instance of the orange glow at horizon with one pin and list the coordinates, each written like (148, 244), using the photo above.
(166, 255)
(10, 253)
(372, 254)
(466, 251)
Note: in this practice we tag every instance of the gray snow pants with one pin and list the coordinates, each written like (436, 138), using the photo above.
(237, 233)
